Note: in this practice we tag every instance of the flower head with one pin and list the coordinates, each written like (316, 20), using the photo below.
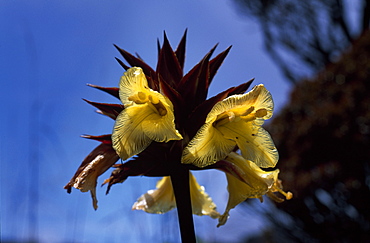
(152, 133)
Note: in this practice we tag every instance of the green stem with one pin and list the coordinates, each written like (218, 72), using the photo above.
(180, 184)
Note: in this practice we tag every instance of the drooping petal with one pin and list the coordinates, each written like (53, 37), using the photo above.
(202, 204)
(162, 199)
(95, 164)
(158, 201)
(207, 147)
(259, 183)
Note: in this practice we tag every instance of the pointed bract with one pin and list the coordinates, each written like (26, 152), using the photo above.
(167, 60)
(110, 110)
(112, 91)
(180, 50)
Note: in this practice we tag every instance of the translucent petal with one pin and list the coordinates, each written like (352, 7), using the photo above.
(254, 142)
(202, 204)
(157, 201)
(162, 199)
(207, 147)
(132, 82)
(128, 137)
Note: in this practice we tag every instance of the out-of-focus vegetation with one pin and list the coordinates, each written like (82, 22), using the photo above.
(323, 133)
(303, 36)
(323, 136)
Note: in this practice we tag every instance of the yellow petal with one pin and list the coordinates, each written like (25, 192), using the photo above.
(128, 137)
(207, 147)
(162, 199)
(258, 98)
(161, 128)
(132, 82)
(137, 125)
(259, 183)
(254, 142)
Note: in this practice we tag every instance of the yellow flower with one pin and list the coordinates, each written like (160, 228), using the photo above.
(235, 121)
(162, 199)
(255, 184)
(148, 116)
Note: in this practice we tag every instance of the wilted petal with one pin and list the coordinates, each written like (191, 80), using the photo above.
(255, 184)
(233, 121)
(148, 116)
(162, 199)
(95, 164)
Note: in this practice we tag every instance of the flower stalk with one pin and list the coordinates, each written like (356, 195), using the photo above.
(179, 174)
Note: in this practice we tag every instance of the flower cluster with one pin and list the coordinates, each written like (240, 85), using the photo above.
(165, 119)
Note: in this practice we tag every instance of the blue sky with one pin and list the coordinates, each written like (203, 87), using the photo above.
(49, 50)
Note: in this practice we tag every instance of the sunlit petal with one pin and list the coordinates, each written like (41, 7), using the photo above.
(128, 138)
(254, 142)
(259, 98)
(207, 147)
